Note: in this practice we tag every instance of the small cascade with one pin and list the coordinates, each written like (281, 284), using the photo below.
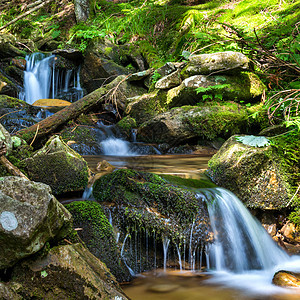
(179, 257)
(133, 135)
(132, 273)
(43, 80)
(87, 193)
(166, 243)
(240, 242)
(115, 146)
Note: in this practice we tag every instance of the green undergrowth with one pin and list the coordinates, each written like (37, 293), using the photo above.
(287, 146)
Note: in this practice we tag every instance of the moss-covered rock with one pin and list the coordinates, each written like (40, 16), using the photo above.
(65, 272)
(126, 125)
(207, 122)
(8, 46)
(144, 107)
(98, 235)
(51, 164)
(244, 87)
(254, 174)
(225, 62)
(29, 217)
(147, 200)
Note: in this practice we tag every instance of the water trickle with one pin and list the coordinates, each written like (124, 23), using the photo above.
(123, 257)
(240, 242)
(87, 193)
(42, 80)
(166, 243)
(133, 135)
(179, 257)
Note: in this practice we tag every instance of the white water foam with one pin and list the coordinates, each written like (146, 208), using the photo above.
(243, 255)
(116, 147)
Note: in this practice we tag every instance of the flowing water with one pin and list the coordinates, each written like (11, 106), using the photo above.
(43, 80)
(240, 263)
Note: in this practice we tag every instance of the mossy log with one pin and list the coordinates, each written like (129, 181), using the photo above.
(41, 130)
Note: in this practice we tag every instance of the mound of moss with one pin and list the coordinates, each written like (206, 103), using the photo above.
(98, 235)
(148, 201)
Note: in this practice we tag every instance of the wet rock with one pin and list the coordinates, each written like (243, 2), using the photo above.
(169, 81)
(166, 69)
(66, 272)
(243, 87)
(104, 166)
(286, 279)
(225, 62)
(290, 233)
(20, 63)
(179, 125)
(71, 54)
(98, 235)
(253, 174)
(51, 163)
(17, 114)
(29, 217)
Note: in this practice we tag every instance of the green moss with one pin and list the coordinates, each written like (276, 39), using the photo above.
(98, 235)
(149, 201)
(126, 125)
(222, 121)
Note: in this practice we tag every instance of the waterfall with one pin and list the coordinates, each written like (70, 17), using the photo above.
(115, 146)
(42, 80)
(240, 242)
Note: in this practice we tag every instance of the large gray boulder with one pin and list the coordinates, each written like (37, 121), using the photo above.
(254, 174)
(65, 272)
(59, 166)
(215, 62)
(29, 217)
(243, 87)
(178, 125)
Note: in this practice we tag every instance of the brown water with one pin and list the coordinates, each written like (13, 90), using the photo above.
(176, 285)
(189, 166)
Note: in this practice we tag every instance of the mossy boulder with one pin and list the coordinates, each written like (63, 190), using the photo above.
(51, 164)
(149, 201)
(146, 106)
(208, 122)
(254, 174)
(98, 235)
(205, 64)
(65, 272)
(7, 292)
(169, 81)
(29, 217)
(126, 125)
(245, 87)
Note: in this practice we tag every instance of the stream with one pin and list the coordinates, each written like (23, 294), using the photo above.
(243, 258)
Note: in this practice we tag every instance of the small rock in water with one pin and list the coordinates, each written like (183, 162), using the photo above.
(286, 279)
(104, 166)
(163, 288)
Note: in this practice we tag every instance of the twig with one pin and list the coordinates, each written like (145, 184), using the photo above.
(36, 132)
(294, 196)
(10, 113)
(25, 14)
(24, 46)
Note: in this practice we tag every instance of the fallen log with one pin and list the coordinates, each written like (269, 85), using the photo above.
(42, 130)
